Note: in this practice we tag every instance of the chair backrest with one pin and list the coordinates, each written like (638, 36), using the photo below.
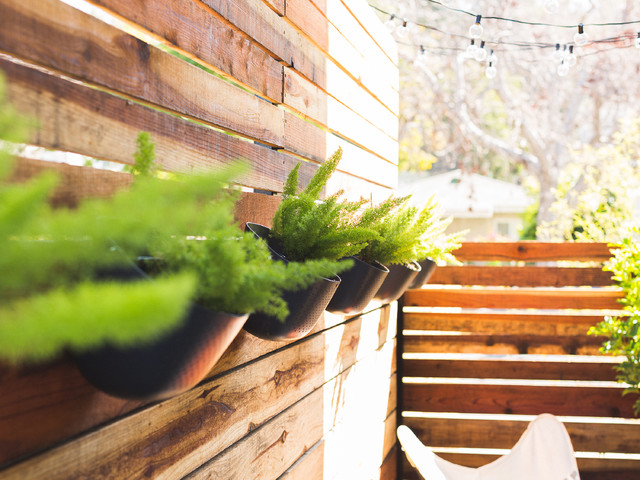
(544, 451)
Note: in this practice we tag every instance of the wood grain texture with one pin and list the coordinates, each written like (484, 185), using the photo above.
(514, 322)
(503, 344)
(329, 415)
(494, 433)
(533, 251)
(535, 298)
(521, 368)
(60, 37)
(521, 276)
(174, 437)
(202, 34)
(91, 122)
(518, 399)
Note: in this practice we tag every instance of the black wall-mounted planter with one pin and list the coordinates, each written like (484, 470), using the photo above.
(427, 266)
(358, 286)
(165, 366)
(398, 280)
(305, 305)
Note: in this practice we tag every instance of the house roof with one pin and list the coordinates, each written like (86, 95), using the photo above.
(465, 195)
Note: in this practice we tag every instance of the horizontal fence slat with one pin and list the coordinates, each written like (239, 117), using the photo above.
(517, 399)
(503, 344)
(521, 276)
(515, 298)
(533, 251)
(504, 433)
(196, 30)
(60, 37)
(40, 404)
(474, 321)
(521, 369)
(79, 119)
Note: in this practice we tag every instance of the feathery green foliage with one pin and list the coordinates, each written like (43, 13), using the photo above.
(622, 332)
(308, 228)
(406, 233)
(145, 156)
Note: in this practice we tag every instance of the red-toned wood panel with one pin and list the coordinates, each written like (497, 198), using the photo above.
(533, 251)
(515, 298)
(518, 399)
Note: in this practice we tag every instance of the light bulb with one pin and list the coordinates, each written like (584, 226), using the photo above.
(421, 59)
(391, 22)
(480, 54)
(471, 49)
(557, 53)
(491, 71)
(563, 69)
(403, 30)
(571, 58)
(446, 3)
(492, 59)
(637, 41)
(551, 6)
(580, 38)
(476, 30)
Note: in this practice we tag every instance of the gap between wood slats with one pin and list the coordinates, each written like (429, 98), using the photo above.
(533, 251)
(505, 298)
(525, 276)
(160, 22)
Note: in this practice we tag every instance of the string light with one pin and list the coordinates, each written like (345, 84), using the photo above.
(491, 71)
(403, 30)
(391, 22)
(637, 41)
(476, 30)
(557, 54)
(471, 49)
(492, 59)
(571, 58)
(563, 69)
(551, 6)
(580, 38)
(480, 54)
(421, 58)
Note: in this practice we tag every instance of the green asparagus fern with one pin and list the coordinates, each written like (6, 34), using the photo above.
(308, 228)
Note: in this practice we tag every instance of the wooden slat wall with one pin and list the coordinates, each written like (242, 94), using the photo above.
(271, 81)
(502, 338)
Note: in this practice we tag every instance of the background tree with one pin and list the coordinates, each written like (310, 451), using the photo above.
(527, 120)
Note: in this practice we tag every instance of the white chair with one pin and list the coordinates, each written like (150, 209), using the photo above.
(543, 452)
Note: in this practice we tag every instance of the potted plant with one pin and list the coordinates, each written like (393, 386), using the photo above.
(74, 286)
(306, 228)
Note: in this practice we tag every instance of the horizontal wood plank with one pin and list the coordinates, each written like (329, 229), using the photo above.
(535, 298)
(203, 35)
(503, 344)
(269, 450)
(60, 37)
(79, 119)
(521, 276)
(500, 433)
(533, 251)
(465, 367)
(234, 403)
(518, 399)
(519, 322)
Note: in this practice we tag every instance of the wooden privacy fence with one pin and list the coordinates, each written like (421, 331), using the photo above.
(270, 81)
(502, 338)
